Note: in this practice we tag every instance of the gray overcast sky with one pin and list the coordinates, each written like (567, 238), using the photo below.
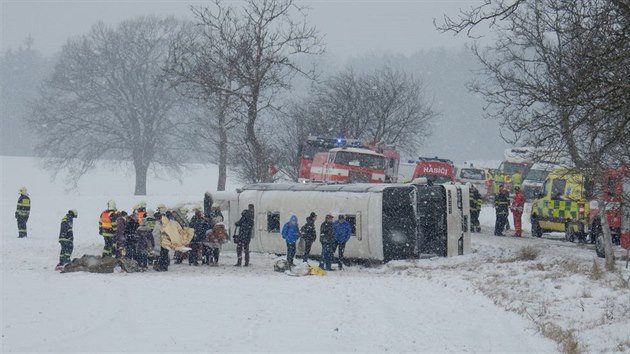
(351, 27)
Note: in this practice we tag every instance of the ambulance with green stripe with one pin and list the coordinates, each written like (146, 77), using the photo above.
(567, 204)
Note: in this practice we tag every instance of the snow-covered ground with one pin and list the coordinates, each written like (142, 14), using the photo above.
(489, 301)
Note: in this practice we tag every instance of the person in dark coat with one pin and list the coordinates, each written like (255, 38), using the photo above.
(207, 205)
(290, 234)
(131, 238)
(144, 234)
(201, 225)
(66, 238)
(22, 211)
(327, 239)
(501, 206)
(245, 225)
(309, 234)
(216, 216)
(121, 242)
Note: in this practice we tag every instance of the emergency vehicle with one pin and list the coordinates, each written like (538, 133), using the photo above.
(517, 160)
(435, 170)
(533, 182)
(474, 176)
(568, 205)
(343, 160)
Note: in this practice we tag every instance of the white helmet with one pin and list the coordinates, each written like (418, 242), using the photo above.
(140, 205)
(216, 205)
(23, 190)
(161, 208)
(111, 205)
(74, 212)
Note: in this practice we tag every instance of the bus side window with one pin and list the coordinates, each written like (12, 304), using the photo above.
(352, 219)
(273, 221)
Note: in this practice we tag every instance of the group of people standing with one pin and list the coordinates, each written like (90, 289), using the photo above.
(502, 208)
(333, 237)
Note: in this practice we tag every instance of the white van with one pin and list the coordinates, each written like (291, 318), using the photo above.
(474, 176)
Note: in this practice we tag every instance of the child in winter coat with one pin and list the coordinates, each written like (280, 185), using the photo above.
(291, 233)
(216, 237)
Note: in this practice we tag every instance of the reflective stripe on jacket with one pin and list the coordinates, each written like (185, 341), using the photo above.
(66, 234)
(23, 206)
(107, 226)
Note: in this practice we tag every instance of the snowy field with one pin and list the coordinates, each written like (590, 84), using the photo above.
(493, 300)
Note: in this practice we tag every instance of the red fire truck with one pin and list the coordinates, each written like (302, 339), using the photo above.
(616, 188)
(343, 160)
(435, 170)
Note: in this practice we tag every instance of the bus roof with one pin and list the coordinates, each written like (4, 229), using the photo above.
(323, 187)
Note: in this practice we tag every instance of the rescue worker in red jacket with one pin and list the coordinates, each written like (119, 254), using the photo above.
(517, 210)
(107, 228)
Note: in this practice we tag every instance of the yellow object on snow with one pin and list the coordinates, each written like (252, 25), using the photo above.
(316, 271)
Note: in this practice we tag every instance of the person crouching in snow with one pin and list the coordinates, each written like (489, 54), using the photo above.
(291, 233)
(66, 238)
(216, 237)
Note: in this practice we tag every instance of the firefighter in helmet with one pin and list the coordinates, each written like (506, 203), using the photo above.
(66, 238)
(475, 208)
(22, 211)
(107, 228)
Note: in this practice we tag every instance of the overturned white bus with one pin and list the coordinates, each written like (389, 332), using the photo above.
(389, 221)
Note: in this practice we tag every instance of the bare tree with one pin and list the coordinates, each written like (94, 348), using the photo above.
(257, 45)
(557, 77)
(398, 112)
(199, 71)
(107, 99)
(382, 106)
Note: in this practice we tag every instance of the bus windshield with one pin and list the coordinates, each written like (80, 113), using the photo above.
(359, 160)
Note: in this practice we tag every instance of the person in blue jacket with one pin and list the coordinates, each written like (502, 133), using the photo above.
(343, 230)
(291, 233)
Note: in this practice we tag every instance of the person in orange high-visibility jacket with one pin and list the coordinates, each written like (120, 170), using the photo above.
(517, 210)
(107, 228)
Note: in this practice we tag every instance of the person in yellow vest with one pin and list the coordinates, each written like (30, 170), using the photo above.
(22, 211)
(107, 228)
(517, 180)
